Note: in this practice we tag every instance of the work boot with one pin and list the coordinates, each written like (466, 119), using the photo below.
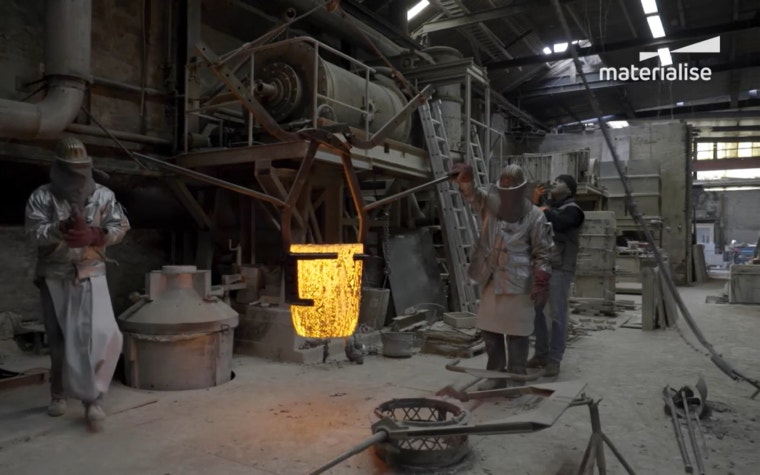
(57, 407)
(551, 369)
(95, 416)
(490, 384)
(536, 362)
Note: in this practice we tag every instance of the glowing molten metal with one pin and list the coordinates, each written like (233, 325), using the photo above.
(335, 287)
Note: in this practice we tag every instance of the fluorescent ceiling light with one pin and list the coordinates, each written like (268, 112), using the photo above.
(753, 92)
(415, 10)
(665, 58)
(655, 26)
(649, 6)
(617, 124)
(679, 103)
(560, 47)
(547, 50)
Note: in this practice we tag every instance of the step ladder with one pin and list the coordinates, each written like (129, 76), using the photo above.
(459, 227)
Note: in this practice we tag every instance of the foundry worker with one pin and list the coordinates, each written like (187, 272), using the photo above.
(566, 218)
(71, 221)
(512, 265)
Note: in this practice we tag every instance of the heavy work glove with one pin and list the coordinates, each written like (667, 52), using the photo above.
(463, 172)
(540, 292)
(78, 234)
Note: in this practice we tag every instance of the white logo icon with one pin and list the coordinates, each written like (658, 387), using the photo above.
(707, 46)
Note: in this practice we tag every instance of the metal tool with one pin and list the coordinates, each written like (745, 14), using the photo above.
(692, 435)
(668, 395)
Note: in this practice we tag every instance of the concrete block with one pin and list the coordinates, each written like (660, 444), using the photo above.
(460, 319)
(269, 333)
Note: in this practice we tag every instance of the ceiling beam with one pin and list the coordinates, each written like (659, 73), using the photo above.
(725, 164)
(470, 18)
(753, 138)
(686, 110)
(676, 37)
(733, 128)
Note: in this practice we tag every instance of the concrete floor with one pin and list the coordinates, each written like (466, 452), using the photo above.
(277, 418)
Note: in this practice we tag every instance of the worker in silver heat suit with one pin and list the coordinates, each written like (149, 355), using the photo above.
(71, 221)
(512, 265)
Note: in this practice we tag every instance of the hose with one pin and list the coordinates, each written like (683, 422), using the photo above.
(715, 357)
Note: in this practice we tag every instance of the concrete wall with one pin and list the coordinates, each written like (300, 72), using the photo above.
(665, 142)
(734, 213)
(140, 252)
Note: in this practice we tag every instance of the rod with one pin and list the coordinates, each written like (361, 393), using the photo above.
(677, 428)
(211, 180)
(397, 196)
(358, 448)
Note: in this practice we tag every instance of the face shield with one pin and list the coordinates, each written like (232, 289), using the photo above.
(560, 190)
(71, 173)
(511, 189)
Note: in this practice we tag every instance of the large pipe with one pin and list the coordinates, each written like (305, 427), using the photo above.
(68, 26)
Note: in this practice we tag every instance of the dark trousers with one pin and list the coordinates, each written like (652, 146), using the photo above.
(513, 357)
(55, 341)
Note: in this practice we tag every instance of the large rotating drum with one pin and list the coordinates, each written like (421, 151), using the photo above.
(285, 81)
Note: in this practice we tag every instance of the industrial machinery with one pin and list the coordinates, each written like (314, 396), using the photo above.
(178, 336)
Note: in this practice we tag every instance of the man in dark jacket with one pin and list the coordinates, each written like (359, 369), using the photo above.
(566, 218)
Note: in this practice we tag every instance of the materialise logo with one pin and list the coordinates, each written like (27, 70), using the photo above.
(680, 72)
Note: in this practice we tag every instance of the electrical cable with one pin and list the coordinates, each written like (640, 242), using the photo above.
(715, 357)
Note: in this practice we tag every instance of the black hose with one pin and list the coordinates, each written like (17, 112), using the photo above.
(715, 357)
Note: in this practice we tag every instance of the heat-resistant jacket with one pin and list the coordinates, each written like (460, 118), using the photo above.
(508, 253)
(55, 259)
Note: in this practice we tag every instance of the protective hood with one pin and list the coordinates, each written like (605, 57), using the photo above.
(72, 182)
(513, 205)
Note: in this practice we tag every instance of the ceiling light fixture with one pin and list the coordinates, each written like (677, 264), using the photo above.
(665, 58)
(655, 26)
(649, 6)
(679, 103)
(560, 47)
(415, 10)
(547, 50)
(617, 124)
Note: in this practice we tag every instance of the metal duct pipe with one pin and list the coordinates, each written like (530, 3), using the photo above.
(68, 26)
(336, 24)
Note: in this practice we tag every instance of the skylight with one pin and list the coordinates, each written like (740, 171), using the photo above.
(650, 6)
(415, 10)
(655, 26)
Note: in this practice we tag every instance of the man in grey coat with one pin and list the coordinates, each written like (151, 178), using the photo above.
(512, 265)
(71, 221)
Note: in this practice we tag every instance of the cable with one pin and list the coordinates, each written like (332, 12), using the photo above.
(715, 357)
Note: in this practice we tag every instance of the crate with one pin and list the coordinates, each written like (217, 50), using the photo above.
(594, 287)
(744, 284)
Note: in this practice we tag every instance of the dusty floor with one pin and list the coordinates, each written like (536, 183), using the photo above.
(276, 418)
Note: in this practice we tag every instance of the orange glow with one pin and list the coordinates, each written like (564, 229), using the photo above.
(335, 287)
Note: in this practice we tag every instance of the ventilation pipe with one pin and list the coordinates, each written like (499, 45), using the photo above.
(67, 71)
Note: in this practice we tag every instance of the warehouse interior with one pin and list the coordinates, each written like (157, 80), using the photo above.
(253, 144)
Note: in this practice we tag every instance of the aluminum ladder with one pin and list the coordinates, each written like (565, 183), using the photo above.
(459, 227)
(478, 160)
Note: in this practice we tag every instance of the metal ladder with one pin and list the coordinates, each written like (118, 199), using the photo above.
(478, 159)
(479, 34)
(459, 228)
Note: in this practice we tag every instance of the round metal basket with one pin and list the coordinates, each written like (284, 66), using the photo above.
(423, 453)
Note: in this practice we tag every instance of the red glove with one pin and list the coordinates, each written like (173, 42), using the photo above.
(79, 234)
(540, 292)
(463, 171)
(90, 236)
